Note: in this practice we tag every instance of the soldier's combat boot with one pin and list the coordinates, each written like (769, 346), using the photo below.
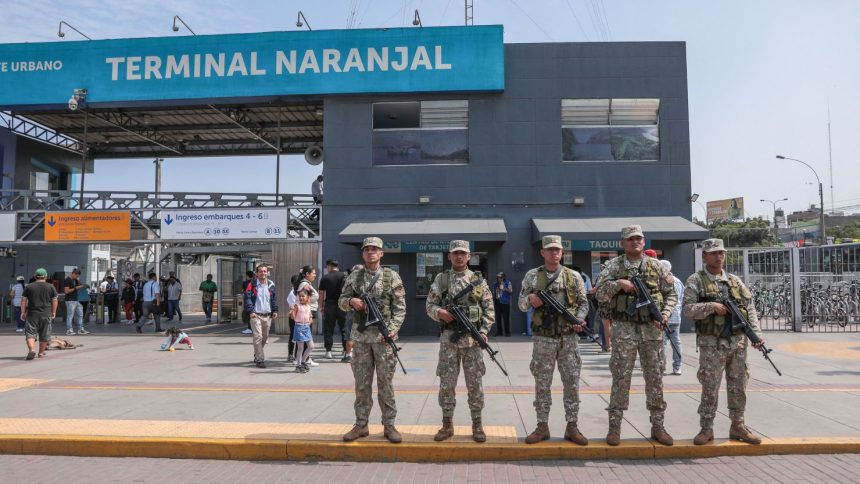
(540, 433)
(572, 434)
(704, 436)
(659, 434)
(447, 430)
(391, 433)
(741, 432)
(478, 434)
(357, 432)
(613, 437)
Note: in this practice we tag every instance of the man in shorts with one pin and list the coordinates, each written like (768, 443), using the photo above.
(38, 309)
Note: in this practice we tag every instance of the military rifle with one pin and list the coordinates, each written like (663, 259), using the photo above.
(469, 328)
(737, 321)
(643, 298)
(554, 308)
(374, 317)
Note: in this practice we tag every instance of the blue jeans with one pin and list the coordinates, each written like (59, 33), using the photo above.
(16, 314)
(207, 309)
(173, 308)
(76, 311)
(675, 332)
(529, 321)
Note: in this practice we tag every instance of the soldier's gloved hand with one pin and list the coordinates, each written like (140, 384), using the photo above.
(534, 300)
(357, 304)
(444, 315)
(758, 345)
(662, 324)
(626, 286)
(720, 309)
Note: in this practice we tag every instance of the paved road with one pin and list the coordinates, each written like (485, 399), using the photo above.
(782, 469)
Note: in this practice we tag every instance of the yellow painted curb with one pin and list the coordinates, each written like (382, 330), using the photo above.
(380, 451)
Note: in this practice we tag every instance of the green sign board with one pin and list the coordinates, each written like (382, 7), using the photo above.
(413, 246)
(596, 245)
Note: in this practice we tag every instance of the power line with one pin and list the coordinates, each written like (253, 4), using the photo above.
(605, 18)
(576, 17)
(533, 20)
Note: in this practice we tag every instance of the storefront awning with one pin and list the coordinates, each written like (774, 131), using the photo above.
(435, 229)
(609, 228)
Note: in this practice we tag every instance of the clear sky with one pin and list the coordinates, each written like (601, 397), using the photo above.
(761, 76)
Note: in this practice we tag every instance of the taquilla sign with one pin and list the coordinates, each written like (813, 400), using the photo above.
(431, 59)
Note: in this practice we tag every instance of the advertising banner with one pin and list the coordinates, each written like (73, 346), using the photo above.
(224, 224)
(87, 226)
(729, 209)
(8, 227)
(428, 59)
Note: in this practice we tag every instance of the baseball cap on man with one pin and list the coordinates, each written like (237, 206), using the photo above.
(41, 272)
(371, 242)
(551, 241)
(458, 246)
(20, 278)
(632, 231)
(76, 271)
(713, 245)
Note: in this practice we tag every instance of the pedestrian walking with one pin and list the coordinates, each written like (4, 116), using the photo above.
(331, 285)
(555, 338)
(371, 353)
(72, 286)
(637, 333)
(151, 304)
(261, 304)
(246, 318)
(111, 299)
(128, 298)
(673, 339)
(301, 314)
(38, 308)
(502, 290)
(307, 276)
(174, 294)
(720, 352)
(208, 288)
(16, 291)
(137, 283)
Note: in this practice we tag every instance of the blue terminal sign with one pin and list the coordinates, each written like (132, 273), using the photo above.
(428, 59)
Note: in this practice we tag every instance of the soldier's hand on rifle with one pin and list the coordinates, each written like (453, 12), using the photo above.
(484, 335)
(444, 315)
(577, 328)
(380, 339)
(662, 324)
(759, 344)
(534, 300)
(357, 304)
(720, 309)
(626, 286)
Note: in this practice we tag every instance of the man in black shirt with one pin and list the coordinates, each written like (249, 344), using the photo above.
(38, 308)
(137, 283)
(74, 310)
(330, 288)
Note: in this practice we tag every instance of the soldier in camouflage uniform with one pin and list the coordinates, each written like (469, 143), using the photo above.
(371, 352)
(720, 352)
(555, 339)
(456, 348)
(636, 333)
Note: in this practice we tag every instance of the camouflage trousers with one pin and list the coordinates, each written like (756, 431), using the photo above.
(451, 356)
(366, 358)
(714, 359)
(628, 339)
(545, 353)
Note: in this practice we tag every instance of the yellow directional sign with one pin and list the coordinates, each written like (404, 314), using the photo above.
(87, 226)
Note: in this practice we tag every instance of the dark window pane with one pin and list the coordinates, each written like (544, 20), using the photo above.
(444, 146)
(397, 147)
(635, 143)
(586, 144)
(420, 147)
(396, 115)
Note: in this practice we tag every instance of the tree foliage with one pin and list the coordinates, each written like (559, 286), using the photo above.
(754, 232)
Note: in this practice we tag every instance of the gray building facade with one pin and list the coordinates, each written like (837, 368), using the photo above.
(517, 171)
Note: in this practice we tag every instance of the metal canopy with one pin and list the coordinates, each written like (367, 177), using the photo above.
(176, 131)
(473, 229)
(609, 228)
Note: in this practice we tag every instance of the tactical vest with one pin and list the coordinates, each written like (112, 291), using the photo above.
(712, 325)
(620, 302)
(558, 326)
(384, 300)
(472, 301)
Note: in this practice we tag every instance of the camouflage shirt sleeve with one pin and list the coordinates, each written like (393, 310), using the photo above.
(398, 303)
(667, 288)
(581, 298)
(527, 288)
(694, 309)
(434, 298)
(489, 312)
(607, 287)
(348, 292)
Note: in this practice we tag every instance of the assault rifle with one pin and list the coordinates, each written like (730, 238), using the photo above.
(374, 317)
(643, 298)
(467, 327)
(738, 321)
(554, 308)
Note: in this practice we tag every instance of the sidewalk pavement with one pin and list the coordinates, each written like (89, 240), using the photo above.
(119, 394)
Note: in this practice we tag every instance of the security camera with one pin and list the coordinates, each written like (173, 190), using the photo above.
(73, 104)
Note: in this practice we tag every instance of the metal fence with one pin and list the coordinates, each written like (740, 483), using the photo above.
(812, 289)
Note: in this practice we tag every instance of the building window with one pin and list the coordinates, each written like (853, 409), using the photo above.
(610, 129)
(421, 133)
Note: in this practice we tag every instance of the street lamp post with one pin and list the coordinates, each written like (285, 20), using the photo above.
(820, 195)
(774, 202)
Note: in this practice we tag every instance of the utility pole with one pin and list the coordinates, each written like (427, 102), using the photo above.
(470, 12)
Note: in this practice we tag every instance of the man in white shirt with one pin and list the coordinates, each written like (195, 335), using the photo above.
(151, 301)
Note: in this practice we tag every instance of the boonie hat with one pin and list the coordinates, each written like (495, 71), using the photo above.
(551, 241)
(41, 272)
(458, 246)
(631, 231)
(371, 242)
(713, 245)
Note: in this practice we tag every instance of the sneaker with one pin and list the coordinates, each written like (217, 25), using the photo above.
(346, 358)
(260, 364)
(137, 328)
(191, 347)
(311, 362)
(19, 330)
(676, 372)
(246, 331)
(69, 332)
(83, 331)
(291, 359)
(328, 355)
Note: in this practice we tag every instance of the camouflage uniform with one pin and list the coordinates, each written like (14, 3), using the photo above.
(479, 306)
(555, 344)
(718, 354)
(630, 337)
(371, 352)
